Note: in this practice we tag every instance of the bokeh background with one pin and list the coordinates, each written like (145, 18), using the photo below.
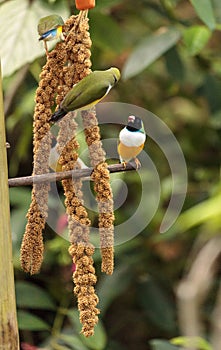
(169, 52)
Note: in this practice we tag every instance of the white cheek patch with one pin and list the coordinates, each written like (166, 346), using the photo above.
(132, 139)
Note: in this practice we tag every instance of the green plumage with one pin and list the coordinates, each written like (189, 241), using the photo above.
(48, 23)
(88, 92)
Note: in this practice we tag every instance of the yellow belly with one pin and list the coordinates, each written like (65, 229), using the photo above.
(128, 153)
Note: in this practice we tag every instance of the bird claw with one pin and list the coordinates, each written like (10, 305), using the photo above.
(138, 163)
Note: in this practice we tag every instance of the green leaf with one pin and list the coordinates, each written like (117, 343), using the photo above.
(174, 64)
(20, 201)
(195, 38)
(157, 305)
(31, 296)
(105, 32)
(73, 341)
(149, 50)
(209, 209)
(157, 344)
(20, 197)
(99, 339)
(110, 287)
(205, 12)
(106, 5)
(19, 37)
(217, 10)
(192, 342)
(30, 322)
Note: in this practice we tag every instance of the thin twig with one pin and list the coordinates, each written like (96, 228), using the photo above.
(51, 177)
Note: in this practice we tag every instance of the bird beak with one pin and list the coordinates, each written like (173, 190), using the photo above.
(131, 119)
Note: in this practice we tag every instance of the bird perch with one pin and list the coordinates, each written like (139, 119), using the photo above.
(76, 174)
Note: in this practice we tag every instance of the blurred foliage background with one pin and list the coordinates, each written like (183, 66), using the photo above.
(169, 54)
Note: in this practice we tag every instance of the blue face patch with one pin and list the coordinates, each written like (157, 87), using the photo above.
(52, 33)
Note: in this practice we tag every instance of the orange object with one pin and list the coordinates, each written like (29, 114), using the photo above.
(84, 4)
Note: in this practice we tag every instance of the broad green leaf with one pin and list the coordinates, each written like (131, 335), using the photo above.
(209, 209)
(149, 50)
(99, 339)
(20, 197)
(174, 64)
(157, 344)
(205, 12)
(105, 32)
(211, 90)
(156, 305)
(31, 296)
(217, 10)
(195, 38)
(192, 342)
(20, 201)
(200, 213)
(106, 5)
(19, 36)
(73, 341)
(30, 322)
(110, 287)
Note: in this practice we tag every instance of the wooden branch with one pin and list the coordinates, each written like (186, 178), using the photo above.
(76, 174)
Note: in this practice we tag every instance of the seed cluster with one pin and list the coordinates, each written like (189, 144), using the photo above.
(102, 187)
(32, 244)
(67, 64)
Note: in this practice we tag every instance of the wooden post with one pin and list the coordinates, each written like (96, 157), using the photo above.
(8, 321)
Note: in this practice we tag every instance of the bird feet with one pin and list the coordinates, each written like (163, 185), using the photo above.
(137, 162)
(124, 164)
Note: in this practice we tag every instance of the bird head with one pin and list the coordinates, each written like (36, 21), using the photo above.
(134, 123)
(48, 23)
(116, 74)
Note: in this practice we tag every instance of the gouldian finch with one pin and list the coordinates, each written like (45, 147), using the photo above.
(87, 92)
(131, 140)
(54, 158)
(50, 28)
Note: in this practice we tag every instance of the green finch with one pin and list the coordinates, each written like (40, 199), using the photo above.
(87, 92)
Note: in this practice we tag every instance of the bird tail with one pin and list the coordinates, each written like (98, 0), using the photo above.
(60, 113)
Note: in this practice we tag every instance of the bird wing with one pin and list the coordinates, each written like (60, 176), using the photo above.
(86, 92)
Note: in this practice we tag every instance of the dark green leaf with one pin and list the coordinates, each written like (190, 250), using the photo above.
(149, 50)
(192, 342)
(157, 344)
(73, 341)
(157, 305)
(110, 287)
(28, 321)
(105, 32)
(20, 196)
(205, 12)
(99, 339)
(174, 64)
(211, 90)
(31, 296)
(217, 10)
(106, 5)
(195, 38)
